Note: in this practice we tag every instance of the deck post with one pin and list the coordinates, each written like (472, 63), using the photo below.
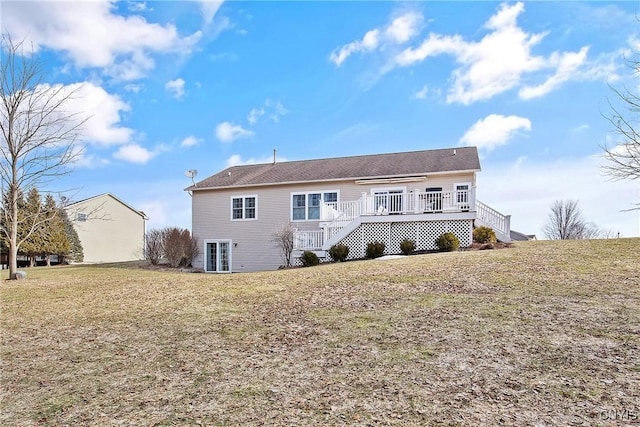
(472, 199)
(363, 207)
(507, 225)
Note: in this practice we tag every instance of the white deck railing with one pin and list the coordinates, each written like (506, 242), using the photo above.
(490, 217)
(400, 203)
(336, 215)
(308, 240)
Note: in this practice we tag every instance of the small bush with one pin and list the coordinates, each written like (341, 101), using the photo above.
(309, 259)
(179, 247)
(407, 246)
(448, 242)
(175, 245)
(338, 253)
(375, 249)
(484, 235)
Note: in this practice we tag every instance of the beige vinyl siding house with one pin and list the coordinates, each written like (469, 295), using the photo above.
(350, 200)
(109, 229)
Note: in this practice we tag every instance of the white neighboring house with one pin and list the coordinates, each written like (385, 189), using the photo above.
(351, 200)
(109, 229)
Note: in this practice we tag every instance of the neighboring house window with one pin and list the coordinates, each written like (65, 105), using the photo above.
(217, 256)
(306, 206)
(81, 217)
(243, 207)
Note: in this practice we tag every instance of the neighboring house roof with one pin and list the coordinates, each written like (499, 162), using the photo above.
(516, 235)
(391, 165)
(142, 214)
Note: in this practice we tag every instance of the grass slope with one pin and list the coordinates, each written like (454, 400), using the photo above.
(545, 332)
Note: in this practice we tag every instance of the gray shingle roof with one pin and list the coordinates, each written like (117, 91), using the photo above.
(412, 163)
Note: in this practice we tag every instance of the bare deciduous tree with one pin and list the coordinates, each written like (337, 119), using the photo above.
(175, 245)
(153, 246)
(623, 158)
(179, 247)
(38, 135)
(283, 239)
(565, 222)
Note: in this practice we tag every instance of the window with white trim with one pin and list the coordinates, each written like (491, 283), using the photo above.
(245, 207)
(462, 194)
(306, 206)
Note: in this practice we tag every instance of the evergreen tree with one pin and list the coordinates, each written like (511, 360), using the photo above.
(56, 241)
(33, 232)
(75, 252)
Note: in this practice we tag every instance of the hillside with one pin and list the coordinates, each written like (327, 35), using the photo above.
(544, 332)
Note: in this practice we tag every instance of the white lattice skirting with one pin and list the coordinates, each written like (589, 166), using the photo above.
(391, 234)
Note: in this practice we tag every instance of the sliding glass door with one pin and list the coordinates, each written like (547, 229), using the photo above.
(218, 256)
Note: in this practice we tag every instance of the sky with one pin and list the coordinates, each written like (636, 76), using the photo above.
(170, 86)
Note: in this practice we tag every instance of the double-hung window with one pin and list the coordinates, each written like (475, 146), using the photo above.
(307, 206)
(244, 207)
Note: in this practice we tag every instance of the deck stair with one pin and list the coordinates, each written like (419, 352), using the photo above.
(488, 217)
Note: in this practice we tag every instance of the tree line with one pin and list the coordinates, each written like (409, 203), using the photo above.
(44, 229)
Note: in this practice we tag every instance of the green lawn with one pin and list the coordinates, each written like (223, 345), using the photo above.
(544, 332)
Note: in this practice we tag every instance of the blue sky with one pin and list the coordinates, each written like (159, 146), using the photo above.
(172, 86)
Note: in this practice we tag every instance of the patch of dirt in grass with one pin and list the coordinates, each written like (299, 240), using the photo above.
(546, 333)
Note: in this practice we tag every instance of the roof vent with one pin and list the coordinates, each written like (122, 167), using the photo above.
(274, 155)
(454, 152)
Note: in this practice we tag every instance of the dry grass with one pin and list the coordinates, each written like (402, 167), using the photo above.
(543, 333)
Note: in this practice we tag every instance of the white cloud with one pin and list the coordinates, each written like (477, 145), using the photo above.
(494, 130)
(92, 36)
(422, 93)
(274, 110)
(236, 160)
(139, 6)
(489, 67)
(434, 45)
(566, 65)
(368, 43)
(89, 161)
(404, 27)
(190, 141)
(228, 132)
(580, 128)
(132, 87)
(277, 110)
(532, 187)
(400, 30)
(134, 153)
(175, 87)
(519, 162)
(254, 115)
(101, 110)
(500, 59)
(209, 8)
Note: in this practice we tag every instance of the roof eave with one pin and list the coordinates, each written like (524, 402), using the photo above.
(315, 181)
